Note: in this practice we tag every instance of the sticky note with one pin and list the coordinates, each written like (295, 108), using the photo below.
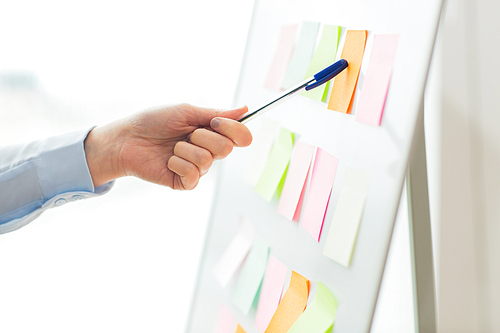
(345, 83)
(262, 145)
(291, 306)
(322, 177)
(282, 57)
(378, 77)
(347, 217)
(235, 253)
(296, 216)
(226, 322)
(323, 57)
(319, 315)
(251, 276)
(270, 294)
(302, 54)
(239, 329)
(276, 165)
(296, 177)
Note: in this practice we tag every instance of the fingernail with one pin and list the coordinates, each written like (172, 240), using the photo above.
(214, 123)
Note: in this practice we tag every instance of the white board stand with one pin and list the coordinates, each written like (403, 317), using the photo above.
(420, 232)
(390, 152)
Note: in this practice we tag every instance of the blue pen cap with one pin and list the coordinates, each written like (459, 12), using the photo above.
(328, 73)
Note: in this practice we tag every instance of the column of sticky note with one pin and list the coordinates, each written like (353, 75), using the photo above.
(275, 314)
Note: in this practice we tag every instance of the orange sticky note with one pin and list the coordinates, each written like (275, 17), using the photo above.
(240, 329)
(291, 306)
(345, 83)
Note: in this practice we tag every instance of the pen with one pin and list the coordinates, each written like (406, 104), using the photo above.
(312, 82)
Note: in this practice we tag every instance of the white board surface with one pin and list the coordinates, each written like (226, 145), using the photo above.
(382, 151)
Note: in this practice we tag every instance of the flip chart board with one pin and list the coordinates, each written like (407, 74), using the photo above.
(372, 160)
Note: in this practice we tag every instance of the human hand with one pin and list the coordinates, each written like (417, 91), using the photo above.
(172, 146)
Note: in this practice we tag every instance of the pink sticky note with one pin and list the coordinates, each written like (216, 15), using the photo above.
(296, 216)
(323, 175)
(378, 77)
(226, 322)
(295, 180)
(281, 57)
(270, 294)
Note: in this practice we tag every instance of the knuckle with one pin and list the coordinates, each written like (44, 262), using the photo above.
(209, 164)
(226, 148)
(246, 140)
(185, 106)
(191, 181)
(191, 170)
(192, 186)
(171, 163)
(178, 147)
(196, 135)
(206, 159)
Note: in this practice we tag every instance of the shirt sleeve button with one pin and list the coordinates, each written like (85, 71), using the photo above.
(77, 197)
(60, 202)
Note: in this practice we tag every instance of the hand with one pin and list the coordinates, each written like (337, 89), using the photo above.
(172, 146)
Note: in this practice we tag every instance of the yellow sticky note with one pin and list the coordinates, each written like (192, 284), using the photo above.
(345, 83)
(343, 231)
(240, 329)
(291, 306)
(276, 166)
(319, 315)
(323, 56)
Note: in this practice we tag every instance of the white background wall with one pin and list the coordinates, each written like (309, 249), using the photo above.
(127, 261)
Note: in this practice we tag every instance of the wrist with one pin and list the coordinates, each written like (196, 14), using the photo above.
(102, 150)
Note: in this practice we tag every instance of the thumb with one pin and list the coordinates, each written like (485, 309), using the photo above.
(205, 115)
(234, 114)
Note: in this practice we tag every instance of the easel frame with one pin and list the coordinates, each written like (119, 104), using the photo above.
(420, 231)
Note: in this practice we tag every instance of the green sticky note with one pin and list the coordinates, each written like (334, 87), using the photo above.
(322, 58)
(319, 316)
(281, 184)
(325, 93)
(251, 276)
(276, 166)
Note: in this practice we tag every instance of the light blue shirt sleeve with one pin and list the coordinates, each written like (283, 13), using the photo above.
(43, 174)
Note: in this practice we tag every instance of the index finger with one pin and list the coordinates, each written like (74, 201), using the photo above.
(233, 130)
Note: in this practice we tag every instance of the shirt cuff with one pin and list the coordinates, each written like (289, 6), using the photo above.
(63, 165)
(63, 176)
